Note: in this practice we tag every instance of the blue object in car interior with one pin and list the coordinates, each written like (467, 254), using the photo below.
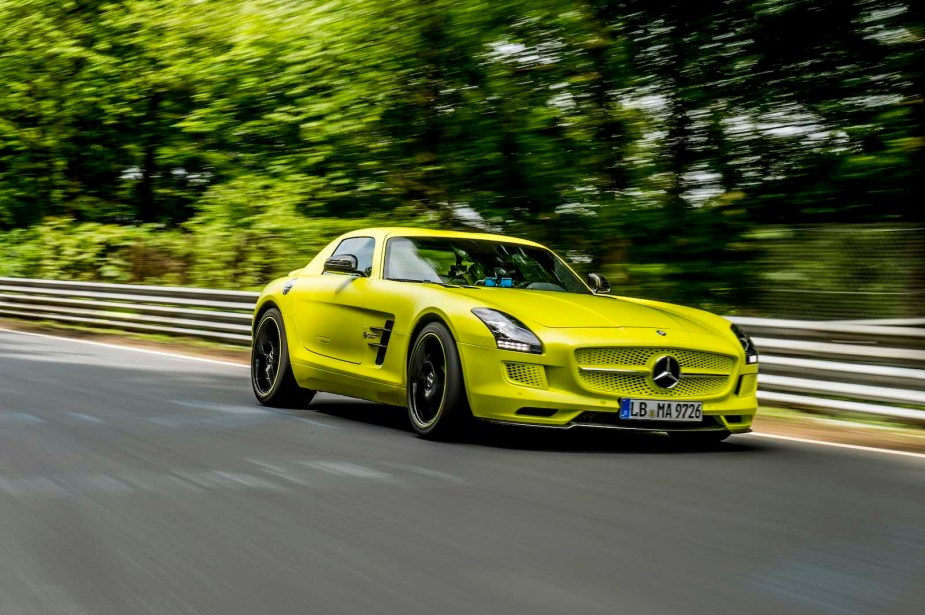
(505, 282)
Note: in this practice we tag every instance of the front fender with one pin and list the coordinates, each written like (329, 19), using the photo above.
(272, 294)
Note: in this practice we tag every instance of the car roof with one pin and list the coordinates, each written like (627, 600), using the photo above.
(403, 231)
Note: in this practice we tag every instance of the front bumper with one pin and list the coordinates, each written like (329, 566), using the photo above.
(546, 390)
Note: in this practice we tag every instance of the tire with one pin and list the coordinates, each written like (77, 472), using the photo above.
(437, 404)
(271, 373)
(698, 439)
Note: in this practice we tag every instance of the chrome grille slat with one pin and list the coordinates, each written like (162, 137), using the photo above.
(632, 385)
(640, 357)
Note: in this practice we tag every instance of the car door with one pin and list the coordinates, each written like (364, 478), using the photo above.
(329, 307)
(390, 307)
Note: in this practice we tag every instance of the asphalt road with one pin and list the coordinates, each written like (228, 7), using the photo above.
(140, 483)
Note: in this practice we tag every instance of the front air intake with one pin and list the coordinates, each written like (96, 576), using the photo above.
(526, 374)
(748, 384)
(541, 412)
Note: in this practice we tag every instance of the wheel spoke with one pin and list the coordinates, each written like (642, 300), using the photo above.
(427, 381)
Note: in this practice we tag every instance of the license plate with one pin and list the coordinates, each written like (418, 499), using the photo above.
(655, 410)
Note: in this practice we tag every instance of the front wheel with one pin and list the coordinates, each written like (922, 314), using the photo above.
(437, 403)
(271, 373)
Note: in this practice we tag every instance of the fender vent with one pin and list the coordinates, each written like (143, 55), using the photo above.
(385, 334)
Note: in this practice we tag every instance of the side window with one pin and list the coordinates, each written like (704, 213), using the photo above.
(362, 248)
(403, 261)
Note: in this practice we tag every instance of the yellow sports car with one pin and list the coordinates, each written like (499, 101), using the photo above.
(460, 325)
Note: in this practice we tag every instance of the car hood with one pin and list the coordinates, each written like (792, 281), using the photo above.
(571, 310)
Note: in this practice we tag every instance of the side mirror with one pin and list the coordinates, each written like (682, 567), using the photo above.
(342, 263)
(599, 284)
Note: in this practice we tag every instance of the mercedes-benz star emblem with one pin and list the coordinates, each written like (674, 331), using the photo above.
(666, 372)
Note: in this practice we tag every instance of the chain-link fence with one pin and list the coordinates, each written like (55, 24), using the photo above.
(841, 272)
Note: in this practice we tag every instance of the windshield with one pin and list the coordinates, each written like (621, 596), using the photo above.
(478, 262)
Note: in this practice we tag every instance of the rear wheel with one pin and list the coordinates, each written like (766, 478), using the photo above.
(698, 439)
(437, 403)
(271, 373)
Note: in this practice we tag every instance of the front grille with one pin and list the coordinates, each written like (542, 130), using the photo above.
(526, 374)
(748, 385)
(717, 366)
(613, 419)
(642, 357)
(640, 385)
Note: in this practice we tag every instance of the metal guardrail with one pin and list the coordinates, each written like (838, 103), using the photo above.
(863, 367)
(872, 367)
(218, 315)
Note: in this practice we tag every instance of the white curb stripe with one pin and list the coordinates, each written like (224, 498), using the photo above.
(869, 449)
(159, 353)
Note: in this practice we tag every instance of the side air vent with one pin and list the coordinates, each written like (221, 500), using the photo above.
(385, 334)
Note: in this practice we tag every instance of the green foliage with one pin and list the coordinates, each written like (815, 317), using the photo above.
(216, 249)
(837, 272)
(249, 231)
(62, 249)
(221, 142)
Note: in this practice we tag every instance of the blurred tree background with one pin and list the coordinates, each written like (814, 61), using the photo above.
(720, 153)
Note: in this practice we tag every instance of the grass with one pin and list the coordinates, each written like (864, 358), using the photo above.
(847, 420)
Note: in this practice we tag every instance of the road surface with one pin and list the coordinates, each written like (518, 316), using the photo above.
(133, 482)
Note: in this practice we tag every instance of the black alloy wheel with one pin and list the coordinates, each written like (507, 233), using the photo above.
(266, 356)
(271, 373)
(437, 404)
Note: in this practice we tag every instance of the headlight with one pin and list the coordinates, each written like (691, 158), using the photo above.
(751, 353)
(510, 333)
